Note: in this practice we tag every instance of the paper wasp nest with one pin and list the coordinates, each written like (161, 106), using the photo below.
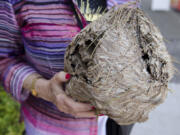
(119, 63)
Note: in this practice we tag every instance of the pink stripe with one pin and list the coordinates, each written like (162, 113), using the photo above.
(59, 34)
(82, 121)
(70, 31)
(45, 7)
(50, 27)
(50, 11)
(53, 129)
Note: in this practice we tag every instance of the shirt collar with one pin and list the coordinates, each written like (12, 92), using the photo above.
(81, 17)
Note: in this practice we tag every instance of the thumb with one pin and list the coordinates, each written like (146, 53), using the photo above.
(62, 77)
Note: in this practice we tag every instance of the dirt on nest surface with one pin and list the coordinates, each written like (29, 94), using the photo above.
(119, 64)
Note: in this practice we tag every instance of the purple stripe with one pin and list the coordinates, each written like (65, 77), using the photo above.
(17, 81)
(62, 43)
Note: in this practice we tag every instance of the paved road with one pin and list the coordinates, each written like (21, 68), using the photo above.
(169, 25)
(165, 119)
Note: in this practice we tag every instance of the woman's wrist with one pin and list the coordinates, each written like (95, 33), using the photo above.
(38, 86)
(28, 82)
(42, 87)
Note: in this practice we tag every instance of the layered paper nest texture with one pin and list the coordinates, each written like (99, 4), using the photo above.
(119, 64)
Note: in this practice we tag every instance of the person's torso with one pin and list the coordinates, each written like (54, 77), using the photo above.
(47, 27)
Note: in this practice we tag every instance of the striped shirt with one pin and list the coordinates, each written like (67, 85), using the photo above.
(33, 37)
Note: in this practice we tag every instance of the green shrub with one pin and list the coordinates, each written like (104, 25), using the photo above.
(9, 115)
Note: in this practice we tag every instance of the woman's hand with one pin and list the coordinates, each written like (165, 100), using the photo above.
(52, 90)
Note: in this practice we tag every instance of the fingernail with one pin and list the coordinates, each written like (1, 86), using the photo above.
(101, 114)
(68, 76)
(93, 108)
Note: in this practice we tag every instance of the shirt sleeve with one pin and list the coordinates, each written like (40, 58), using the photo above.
(13, 67)
(111, 3)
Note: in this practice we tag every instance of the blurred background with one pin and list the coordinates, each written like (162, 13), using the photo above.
(164, 120)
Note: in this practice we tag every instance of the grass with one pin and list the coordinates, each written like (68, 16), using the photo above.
(9, 115)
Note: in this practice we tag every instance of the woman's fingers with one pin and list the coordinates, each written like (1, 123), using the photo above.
(56, 83)
(61, 77)
(68, 105)
(77, 106)
(89, 114)
(75, 113)
(65, 103)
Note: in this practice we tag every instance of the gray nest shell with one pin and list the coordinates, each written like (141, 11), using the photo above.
(119, 64)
